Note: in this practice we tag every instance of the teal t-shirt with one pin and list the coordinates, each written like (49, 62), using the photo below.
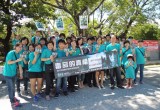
(125, 53)
(90, 47)
(140, 59)
(24, 49)
(75, 52)
(10, 69)
(60, 53)
(37, 67)
(98, 48)
(111, 47)
(15, 41)
(44, 47)
(106, 43)
(35, 39)
(130, 70)
(46, 54)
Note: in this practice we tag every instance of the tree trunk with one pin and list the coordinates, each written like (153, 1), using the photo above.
(6, 42)
(124, 34)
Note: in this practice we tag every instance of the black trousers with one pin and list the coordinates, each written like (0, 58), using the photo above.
(89, 77)
(49, 76)
(72, 81)
(117, 73)
(25, 81)
(107, 73)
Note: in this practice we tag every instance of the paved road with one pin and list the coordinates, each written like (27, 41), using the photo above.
(141, 97)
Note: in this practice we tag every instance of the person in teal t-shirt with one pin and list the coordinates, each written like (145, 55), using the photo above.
(60, 54)
(36, 39)
(81, 77)
(130, 67)
(48, 57)
(125, 51)
(15, 40)
(24, 51)
(73, 51)
(99, 47)
(10, 71)
(35, 71)
(140, 54)
(113, 46)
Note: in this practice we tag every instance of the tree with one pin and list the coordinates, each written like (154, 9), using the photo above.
(130, 12)
(11, 11)
(145, 31)
(75, 8)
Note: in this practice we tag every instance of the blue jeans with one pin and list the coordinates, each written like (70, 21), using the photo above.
(141, 66)
(60, 81)
(10, 81)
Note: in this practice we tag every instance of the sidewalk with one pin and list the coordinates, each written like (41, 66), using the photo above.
(156, 62)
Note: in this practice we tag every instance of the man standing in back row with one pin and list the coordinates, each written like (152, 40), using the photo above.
(113, 46)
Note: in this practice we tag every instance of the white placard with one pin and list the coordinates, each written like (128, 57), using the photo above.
(39, 26)
(83, 21)
(59, 24)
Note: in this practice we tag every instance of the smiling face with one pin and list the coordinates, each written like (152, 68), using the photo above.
(18, 48)
(61, 45)
(73, 43)
(50, 46)
(140, 44)
(24, 42)
(113, 39)
(38, 47)
(80, 42)
(126, 44)
(42, 42)
(31, 48)
(99, 41)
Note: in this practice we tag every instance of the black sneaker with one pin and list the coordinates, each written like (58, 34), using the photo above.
(90, 85)
(65, 93)
(75, 88)
(3, 82)
(121, 87)
(19, 93)
(95, 85)
(112, 87)
(72, 90)
(56, 95)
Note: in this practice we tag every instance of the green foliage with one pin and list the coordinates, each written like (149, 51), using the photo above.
(145, 31)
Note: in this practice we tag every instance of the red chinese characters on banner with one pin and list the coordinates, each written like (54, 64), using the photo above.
(149, 44)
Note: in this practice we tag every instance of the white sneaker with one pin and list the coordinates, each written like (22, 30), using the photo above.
(99, 87)
(48, 98)
(102, 87)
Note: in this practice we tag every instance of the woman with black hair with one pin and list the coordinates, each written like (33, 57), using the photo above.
(48, 57)
(125, 51)
(81, 77)
(35, 72)
(43, 42)
(23, 53)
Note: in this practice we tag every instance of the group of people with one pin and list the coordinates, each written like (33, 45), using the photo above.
(32, 60)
